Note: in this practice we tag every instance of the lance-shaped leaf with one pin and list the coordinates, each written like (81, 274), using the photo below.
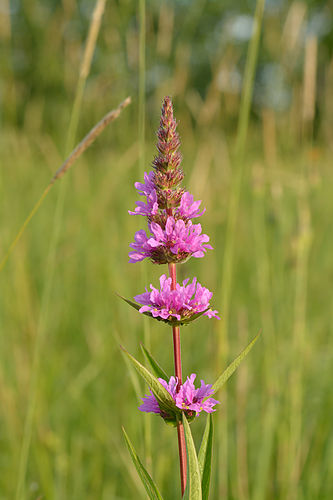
(164, 398)
(157, 369)
(145, 477)
(233, 366)
(193, 484)
(205, 457)
(171, 322)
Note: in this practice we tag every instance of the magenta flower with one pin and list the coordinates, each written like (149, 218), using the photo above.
(148, 186)
(176, 243)
(146, 189)
(189, 209)
(182, 303)
(188, 398)
(146, 209)
(140, 246)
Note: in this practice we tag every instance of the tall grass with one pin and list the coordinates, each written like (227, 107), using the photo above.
(56, 227)
(142, 169)
(233, 207)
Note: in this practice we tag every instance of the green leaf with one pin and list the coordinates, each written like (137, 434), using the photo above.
(132, 304)
(164, 398)
(205, 457)
(185, 322)
(157, 370)
(233, 366)
(146, 479)
(173, 322)
(193, 484)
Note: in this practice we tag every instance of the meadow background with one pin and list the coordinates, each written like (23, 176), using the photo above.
(269, 216)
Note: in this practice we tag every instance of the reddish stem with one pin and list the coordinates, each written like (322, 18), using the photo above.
(182, 456)
(178, 373)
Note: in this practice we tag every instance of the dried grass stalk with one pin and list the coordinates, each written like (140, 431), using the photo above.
(76, 153)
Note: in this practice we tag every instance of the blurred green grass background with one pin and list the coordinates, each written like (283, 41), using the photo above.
(274, 428)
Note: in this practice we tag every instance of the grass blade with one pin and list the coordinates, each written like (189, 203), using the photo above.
(231, 231)
(193, 485)
(158, 371)
(146, 479)
(233, 366)
(205, 457)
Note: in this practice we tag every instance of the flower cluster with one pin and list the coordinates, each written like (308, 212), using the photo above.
(169, 208)
(182, 303)
(176, 242)
(186, 397)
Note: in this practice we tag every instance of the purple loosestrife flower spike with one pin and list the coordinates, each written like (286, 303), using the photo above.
(169, 208)
(172, 239)
(182, 303)
(188, 398)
